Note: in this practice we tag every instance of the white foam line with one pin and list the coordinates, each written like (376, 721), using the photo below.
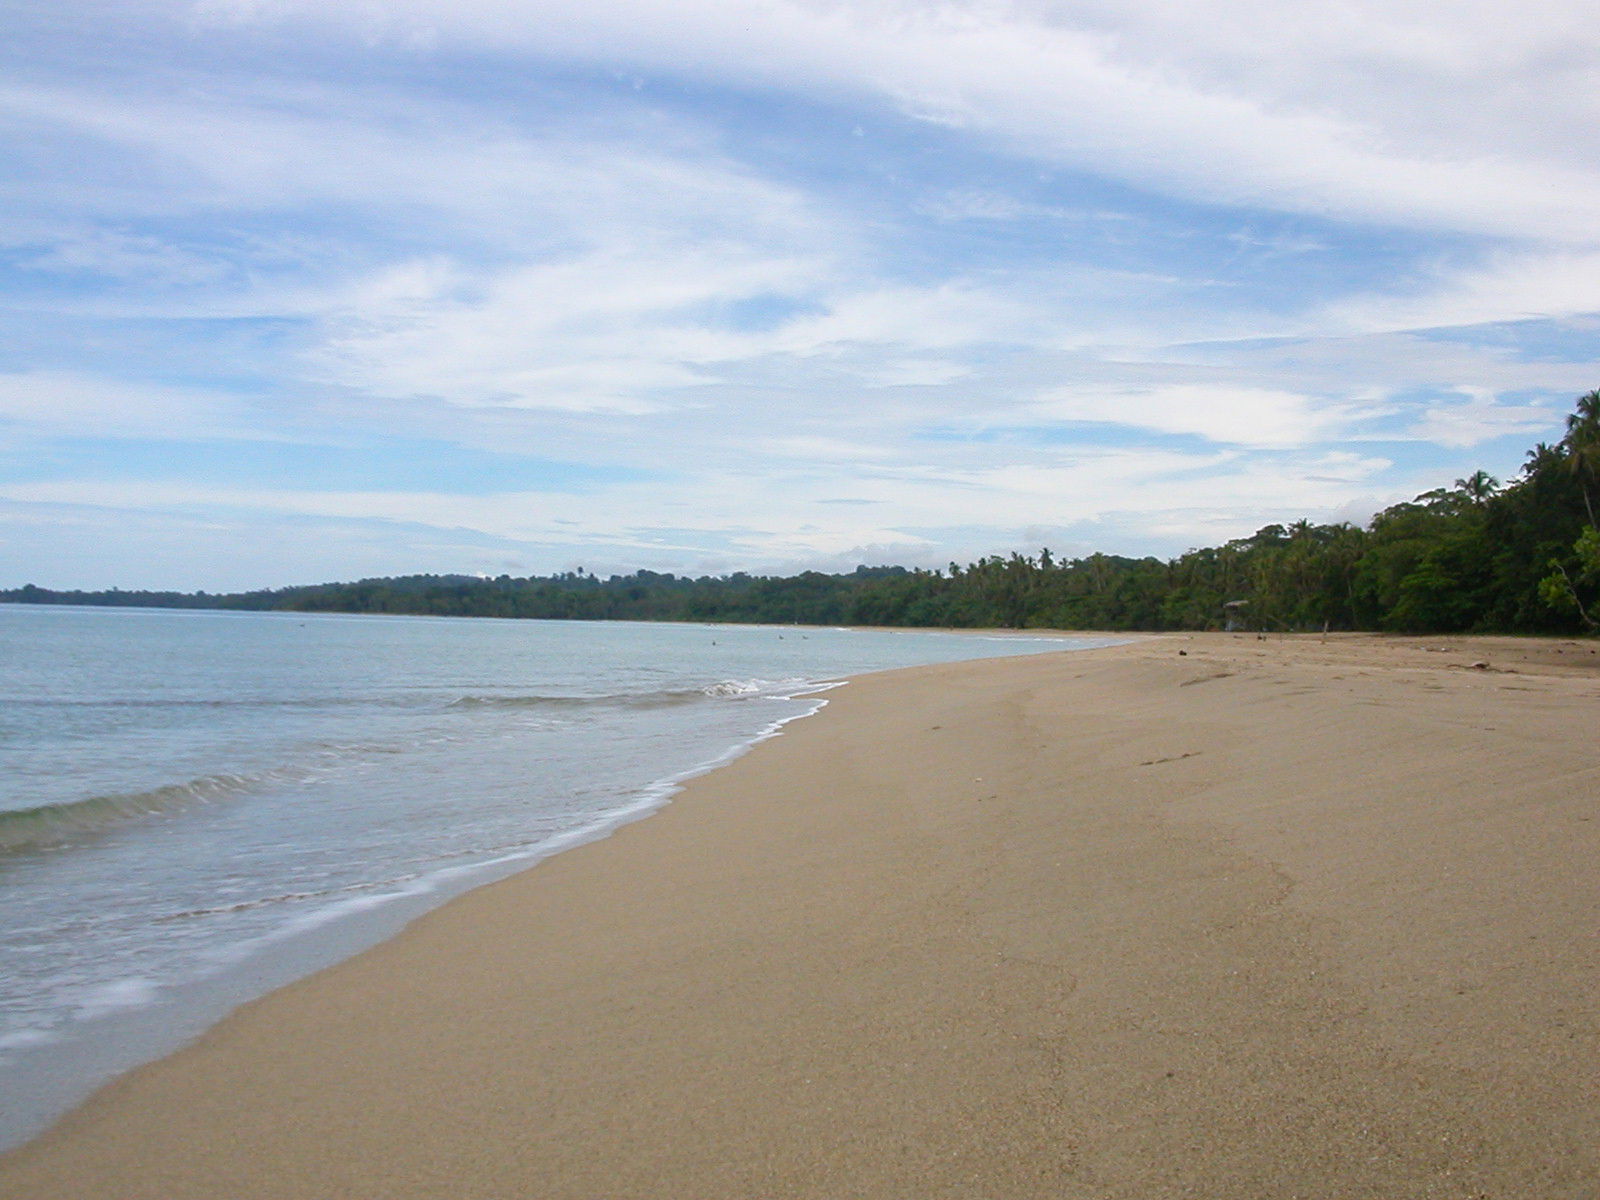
(651, 798)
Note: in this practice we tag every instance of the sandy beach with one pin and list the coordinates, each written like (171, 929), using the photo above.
(1205, 916)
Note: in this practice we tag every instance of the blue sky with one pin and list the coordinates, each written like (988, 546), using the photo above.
(297, 291)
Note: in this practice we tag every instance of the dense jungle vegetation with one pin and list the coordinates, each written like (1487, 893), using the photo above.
(1476, 556)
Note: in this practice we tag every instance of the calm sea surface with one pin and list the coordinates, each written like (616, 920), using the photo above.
(197, 807)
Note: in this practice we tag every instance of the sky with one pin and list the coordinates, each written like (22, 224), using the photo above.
(306, 290)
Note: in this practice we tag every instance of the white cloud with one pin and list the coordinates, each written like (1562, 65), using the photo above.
(825, 451)
(81, 405)
(1477, 416)
(1506, 286)
(107, 253)
(635, 328)
(1374, 373)
(416, 163)
(1244, 416)
(942, 316)
(1355, 110)
(975, 204)
(602, 332)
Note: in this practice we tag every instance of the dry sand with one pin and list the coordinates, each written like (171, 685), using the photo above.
(1284, 918)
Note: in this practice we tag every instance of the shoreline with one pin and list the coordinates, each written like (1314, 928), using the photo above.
(1066, 924)
(141, 1018)
(56, 1079)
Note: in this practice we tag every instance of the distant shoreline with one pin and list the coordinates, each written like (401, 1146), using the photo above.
(1480, 557)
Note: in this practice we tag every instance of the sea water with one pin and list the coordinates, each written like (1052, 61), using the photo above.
(197, 807)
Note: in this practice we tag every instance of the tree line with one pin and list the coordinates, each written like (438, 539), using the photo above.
(1479, 556)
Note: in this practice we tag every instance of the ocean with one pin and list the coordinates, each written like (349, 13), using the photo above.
(198, 807)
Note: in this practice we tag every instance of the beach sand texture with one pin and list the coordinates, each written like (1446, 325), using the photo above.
(1284, 918)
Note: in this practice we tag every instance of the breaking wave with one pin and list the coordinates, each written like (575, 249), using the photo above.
(52, 824)
(723, 689)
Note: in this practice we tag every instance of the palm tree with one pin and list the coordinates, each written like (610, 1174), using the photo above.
(1582, 444)
(1479, 486)
(1543, 457)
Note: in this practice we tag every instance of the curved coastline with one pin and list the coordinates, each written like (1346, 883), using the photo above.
(1264, 917)
(125, 1021)
(138, 1024)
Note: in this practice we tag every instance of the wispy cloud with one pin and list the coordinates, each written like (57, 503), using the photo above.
(39, 403)
(1504, 285)
(1176, 98)
(883, 277)
(1244, 416)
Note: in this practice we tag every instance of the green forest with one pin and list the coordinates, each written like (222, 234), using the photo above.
(1478, 556)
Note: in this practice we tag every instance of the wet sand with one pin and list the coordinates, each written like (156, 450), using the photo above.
(1283, 918)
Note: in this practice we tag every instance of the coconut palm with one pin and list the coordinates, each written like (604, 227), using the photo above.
(1541, 459)
(1582, 445)
(1479, 486)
